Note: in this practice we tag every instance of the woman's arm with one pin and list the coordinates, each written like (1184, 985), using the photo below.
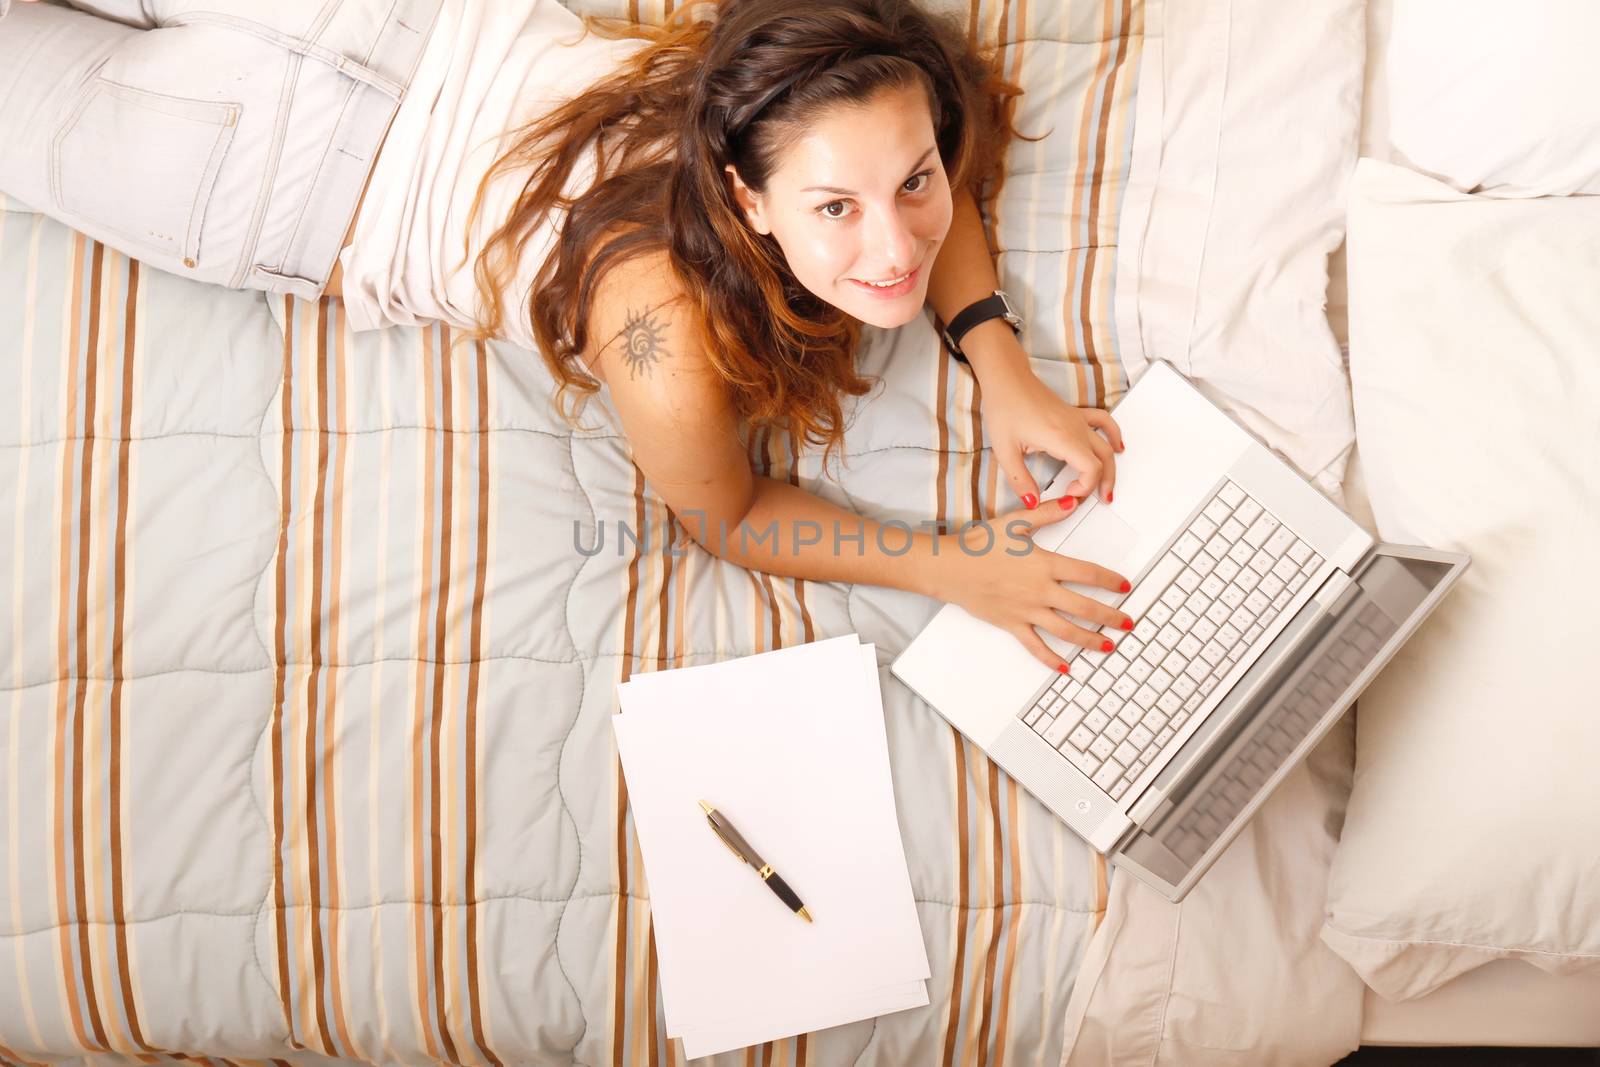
(794, 533)
(1021, 414)
(680, 422)
(963, 272)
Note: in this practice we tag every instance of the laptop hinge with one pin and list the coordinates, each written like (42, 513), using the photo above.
(1336, 592)
(1330, 596)
(1152, 804)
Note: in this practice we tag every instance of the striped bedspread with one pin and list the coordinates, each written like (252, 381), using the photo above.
(308, 657)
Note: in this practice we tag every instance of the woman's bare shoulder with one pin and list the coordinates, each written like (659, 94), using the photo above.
(676, 410)
(640, 319)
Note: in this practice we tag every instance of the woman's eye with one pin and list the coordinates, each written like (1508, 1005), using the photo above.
(840, 208)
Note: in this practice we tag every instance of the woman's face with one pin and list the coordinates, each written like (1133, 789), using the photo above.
(861, 197)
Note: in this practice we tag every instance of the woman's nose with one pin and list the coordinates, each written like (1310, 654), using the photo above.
(894, 244)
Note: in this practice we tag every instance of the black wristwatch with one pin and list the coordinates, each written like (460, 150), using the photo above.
(996, 306)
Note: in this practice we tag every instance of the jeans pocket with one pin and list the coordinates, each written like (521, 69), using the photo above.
(141, 164)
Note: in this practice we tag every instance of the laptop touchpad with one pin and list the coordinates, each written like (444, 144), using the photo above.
(1101, 537)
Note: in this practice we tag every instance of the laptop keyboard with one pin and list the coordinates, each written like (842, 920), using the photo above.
(1221, 581)
(1247, 769)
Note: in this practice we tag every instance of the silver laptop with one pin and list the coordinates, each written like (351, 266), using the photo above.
(1261, 612)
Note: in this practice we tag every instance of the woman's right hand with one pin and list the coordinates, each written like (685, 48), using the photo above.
(1018, 591)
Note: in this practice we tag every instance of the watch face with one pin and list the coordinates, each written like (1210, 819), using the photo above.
(1010, 314)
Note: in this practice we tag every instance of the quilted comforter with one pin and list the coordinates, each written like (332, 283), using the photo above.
(306, 657)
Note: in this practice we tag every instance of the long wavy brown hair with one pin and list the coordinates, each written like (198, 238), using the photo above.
(718, 83)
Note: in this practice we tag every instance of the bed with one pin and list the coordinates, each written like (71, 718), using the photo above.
(309, 648)
(310, 658)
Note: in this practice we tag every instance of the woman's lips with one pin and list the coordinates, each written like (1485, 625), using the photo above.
(892, 291)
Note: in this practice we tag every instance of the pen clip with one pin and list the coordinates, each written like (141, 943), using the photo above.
(737, 854)
(718, 831)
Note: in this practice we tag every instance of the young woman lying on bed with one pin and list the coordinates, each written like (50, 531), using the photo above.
(762, 167)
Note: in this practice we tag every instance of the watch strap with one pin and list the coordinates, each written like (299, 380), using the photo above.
(993, 306)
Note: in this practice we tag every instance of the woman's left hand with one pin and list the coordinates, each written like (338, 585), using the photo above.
(1022, 415)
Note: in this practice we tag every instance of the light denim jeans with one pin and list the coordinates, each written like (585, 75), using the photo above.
(222, 140)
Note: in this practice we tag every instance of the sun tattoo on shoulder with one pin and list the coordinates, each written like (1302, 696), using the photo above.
(643, 345)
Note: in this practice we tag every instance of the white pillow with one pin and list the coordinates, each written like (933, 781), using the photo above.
(1232, 212)
(1501, 99)
(1473, 830)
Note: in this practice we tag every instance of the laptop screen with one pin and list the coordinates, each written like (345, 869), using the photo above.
(1206, 800)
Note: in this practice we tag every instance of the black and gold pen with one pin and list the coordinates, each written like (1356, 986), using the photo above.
(741, 848)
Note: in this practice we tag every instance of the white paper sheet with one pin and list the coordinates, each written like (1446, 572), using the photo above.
(790, 746)
(710, 1040)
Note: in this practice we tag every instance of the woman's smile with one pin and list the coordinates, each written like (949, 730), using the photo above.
(906, 284)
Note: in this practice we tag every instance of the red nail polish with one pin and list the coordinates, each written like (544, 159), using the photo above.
(1108, 496)
(1126, 624)
(1064, 669)
(1124, 587)
(1105, 646)
(1067, 503)
(1030, 501)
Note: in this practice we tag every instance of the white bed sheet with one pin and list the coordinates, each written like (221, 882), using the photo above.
(1503, 1003)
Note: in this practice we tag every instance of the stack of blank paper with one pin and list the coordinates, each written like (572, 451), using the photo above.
(790, 747)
